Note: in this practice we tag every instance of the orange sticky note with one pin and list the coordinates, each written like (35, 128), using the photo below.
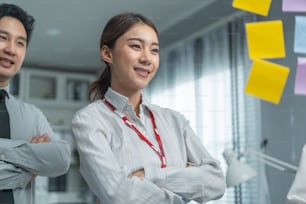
(260, 7)
(266, 39)
(267, 80)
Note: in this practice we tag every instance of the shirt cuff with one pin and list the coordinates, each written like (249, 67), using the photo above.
(7, 143)
(6, 146)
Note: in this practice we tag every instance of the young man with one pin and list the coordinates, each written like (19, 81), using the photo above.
(28, 145)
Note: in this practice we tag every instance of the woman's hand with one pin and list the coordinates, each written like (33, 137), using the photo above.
(139, 173)
(189, 165)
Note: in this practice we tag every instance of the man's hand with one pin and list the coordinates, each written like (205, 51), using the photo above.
(44, 138)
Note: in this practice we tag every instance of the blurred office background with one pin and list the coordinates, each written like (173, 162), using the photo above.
(204, 68)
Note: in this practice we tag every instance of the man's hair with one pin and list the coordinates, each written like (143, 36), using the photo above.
(15, 11)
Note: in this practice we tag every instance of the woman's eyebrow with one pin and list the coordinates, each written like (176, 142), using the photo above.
(141, 40)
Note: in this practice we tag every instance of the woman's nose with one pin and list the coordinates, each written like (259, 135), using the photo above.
(146, 57)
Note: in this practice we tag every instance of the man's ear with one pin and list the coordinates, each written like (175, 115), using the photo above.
(106, 54)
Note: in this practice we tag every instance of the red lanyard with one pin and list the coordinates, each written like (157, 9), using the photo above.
(159, 152)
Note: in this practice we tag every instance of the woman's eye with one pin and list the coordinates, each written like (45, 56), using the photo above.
(2, 37)
(135, 46)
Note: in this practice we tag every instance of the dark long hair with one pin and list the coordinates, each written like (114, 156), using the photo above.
(116, 27)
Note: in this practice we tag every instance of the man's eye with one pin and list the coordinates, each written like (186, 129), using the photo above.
(21, 44)
(155, 50)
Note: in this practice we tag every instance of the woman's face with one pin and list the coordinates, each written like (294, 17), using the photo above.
(134, 59)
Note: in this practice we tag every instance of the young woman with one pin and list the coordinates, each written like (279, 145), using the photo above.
(130, 150)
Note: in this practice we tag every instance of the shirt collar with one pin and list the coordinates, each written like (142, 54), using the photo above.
(119, 101)
(6, 88)
(116, 99)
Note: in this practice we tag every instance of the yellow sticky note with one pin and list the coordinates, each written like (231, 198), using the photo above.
(265, 39)
(260, 7)
(267, 80)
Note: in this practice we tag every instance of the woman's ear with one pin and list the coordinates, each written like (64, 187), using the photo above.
(106, 54)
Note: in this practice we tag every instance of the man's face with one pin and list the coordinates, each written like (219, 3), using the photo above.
(13, 45)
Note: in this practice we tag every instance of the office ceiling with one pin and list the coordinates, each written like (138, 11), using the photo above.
(67, 32)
